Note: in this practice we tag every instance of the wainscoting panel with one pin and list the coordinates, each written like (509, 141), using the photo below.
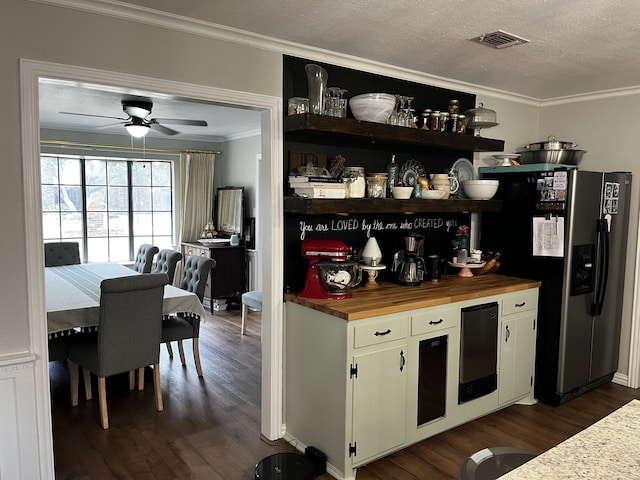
(19, 457)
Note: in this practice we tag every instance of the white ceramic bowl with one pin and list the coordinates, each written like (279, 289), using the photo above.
(480, 189)
(402, 192)
(433, 194)
(372, 107)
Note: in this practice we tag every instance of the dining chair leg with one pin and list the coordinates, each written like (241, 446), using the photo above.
(169, 349)
(244, 317)
(156, 387)
(141, 378)
(102, 395)
(73, 380)
(86, 377)
(196, 356)
(181, 352)
(132, 379)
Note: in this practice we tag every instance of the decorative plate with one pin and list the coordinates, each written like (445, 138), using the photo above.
(410, 171)
(464, 171)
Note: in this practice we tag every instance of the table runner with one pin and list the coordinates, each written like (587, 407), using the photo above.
(73, 295)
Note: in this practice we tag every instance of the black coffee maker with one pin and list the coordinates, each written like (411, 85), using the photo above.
(408, 268)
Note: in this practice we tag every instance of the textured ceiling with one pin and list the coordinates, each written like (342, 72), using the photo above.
(577, 46)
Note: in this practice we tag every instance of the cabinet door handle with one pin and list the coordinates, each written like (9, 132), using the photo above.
(402, 360)
(380, 334)
(436, 322)
(506, 337)
(518, 305)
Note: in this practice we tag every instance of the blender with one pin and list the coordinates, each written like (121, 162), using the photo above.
(330, 273)
(407, 266)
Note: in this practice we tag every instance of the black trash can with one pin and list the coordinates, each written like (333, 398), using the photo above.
(285, 466)
(491, 463)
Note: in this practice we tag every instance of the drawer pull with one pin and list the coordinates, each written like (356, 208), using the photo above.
(381, 334)
(437, 322)
(518, 305)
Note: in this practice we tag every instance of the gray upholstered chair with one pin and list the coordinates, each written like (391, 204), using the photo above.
(144, 258)
(180, 327)
(166, 262)
(250, 300)
(128, 337)
(57, 254)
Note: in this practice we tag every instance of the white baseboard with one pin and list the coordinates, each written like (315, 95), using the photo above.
(621, 379)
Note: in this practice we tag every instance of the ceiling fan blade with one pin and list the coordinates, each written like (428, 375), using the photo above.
(108, 125)
(91, 115)
(163, 129)
(179, 121)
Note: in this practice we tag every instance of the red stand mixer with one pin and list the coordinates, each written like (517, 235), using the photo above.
(330, 273)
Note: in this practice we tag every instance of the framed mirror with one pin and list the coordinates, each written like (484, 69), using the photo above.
(230, 211)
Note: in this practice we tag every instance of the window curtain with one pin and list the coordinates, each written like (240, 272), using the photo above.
(196, 188)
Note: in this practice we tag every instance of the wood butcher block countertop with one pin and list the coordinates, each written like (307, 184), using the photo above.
(392, 298)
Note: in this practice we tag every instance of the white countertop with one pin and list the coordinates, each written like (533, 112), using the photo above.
(608, 449)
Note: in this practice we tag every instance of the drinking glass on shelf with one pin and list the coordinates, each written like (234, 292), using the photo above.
(402, 112)
(409, 119)
(335, 105)
(393, 118)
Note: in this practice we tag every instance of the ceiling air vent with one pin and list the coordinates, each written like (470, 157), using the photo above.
(499, 39)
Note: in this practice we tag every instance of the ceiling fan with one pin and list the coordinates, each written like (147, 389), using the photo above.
(137, 123)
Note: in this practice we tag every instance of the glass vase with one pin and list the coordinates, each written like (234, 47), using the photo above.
(317, 86)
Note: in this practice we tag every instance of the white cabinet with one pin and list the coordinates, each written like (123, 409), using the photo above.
(352, 388)
(517, 345)
(379, 381)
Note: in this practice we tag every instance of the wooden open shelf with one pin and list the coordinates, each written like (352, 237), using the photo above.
(386, 205)
(304, 126)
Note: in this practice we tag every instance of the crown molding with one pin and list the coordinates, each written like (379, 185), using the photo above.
(135, 13)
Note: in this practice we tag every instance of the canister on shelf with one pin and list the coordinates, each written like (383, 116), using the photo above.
(454, 106)
(298, 105)
(377, 185)
(444, 121)
(461, 125)
(453, 123)
(434, 121)
(355, 183)
(425, 118)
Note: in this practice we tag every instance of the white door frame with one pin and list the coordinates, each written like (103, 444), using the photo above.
(271, 215)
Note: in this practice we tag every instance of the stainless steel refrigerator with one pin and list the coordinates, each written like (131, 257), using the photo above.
(568, 229)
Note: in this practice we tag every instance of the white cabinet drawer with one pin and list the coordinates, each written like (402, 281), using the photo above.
(520, 302)
(387, 330)
(433, 319)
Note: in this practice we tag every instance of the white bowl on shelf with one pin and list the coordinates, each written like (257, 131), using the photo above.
(433, 194)
(372, 107)
(480, 189)
(402, 192)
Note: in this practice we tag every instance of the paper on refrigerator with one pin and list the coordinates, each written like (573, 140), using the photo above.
(548, 237)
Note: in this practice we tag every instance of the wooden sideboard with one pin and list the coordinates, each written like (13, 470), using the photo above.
(229, 277)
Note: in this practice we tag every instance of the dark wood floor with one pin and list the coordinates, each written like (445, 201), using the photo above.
(210, 427)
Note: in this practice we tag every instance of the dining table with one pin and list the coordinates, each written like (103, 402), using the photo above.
(73, 296)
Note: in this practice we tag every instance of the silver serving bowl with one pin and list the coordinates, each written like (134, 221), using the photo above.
(336, 277)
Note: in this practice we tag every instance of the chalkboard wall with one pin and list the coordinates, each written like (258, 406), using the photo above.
(389, 230)
(438, 229)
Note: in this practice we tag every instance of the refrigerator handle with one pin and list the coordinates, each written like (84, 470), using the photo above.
(603, 273)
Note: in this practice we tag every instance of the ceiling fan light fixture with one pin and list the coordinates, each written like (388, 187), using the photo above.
(137, 130)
